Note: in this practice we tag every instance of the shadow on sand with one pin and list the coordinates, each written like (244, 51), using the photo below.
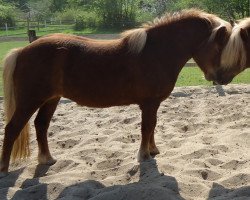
(8, 182)
(218, 192)
(151, 185)
(220, 90)
(166, 187)
(30, 188)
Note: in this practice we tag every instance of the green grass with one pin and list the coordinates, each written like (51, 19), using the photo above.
(1, 81)
(22, 32)
(242, 78)
(4, 48)
(56, 29)
(193, 76)
(189, 76)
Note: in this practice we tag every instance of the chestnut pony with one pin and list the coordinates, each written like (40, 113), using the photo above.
(236, 55)
(139, 68)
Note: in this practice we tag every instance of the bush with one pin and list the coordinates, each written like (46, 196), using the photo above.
(144, 17)
(118, 14)
(86, 19)
(6, 15)
(80, 25)
(66, 15)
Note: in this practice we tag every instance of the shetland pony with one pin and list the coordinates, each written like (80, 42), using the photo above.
(139, 68)
(236, 55)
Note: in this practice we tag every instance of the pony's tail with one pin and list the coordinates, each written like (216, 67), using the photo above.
(21, 146)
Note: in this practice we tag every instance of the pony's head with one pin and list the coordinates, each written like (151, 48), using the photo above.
(236, 55)
(208, 55)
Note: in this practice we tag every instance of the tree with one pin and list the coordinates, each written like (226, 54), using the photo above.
(7, 14)
(20, 4)
(116, 13)
(40, 9)
(229, 9)
(58, 5)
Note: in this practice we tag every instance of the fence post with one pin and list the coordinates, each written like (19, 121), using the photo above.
(32, 35)
(38, 25)
(45, 24)
(28, 24)
(6, 29)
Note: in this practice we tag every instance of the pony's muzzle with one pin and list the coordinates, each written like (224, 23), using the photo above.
(223, 78)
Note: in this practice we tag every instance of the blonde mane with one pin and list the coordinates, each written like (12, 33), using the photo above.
(176, 16)
(234, 52)
(137, 37)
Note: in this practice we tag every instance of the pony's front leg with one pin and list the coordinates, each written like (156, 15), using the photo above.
(149, 118)
(152, 146)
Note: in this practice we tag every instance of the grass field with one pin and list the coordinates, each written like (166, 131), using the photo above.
(189, 76)
(4, 48)
(22, 33)
(193, 76)
(1, 82)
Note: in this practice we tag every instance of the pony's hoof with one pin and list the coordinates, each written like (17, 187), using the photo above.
(3, 174)
(51, 162)
(46, 161)
(143, 156)
(154, 151)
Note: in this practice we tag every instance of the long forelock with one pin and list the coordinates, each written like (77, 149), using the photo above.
(136, 39)
(234, 52)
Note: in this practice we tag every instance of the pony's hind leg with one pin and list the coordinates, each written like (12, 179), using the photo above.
(149, 118)
(13, 129)
(42, 122)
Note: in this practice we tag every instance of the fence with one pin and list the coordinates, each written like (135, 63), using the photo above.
(47, 26)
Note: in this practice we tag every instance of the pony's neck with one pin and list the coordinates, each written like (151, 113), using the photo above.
(179, 39)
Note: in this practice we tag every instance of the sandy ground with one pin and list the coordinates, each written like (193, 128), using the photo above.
(203, 134)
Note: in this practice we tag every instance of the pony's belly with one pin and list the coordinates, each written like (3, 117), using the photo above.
(102, 101)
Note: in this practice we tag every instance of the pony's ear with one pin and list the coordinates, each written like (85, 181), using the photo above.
(220, 34)
(244, 34)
